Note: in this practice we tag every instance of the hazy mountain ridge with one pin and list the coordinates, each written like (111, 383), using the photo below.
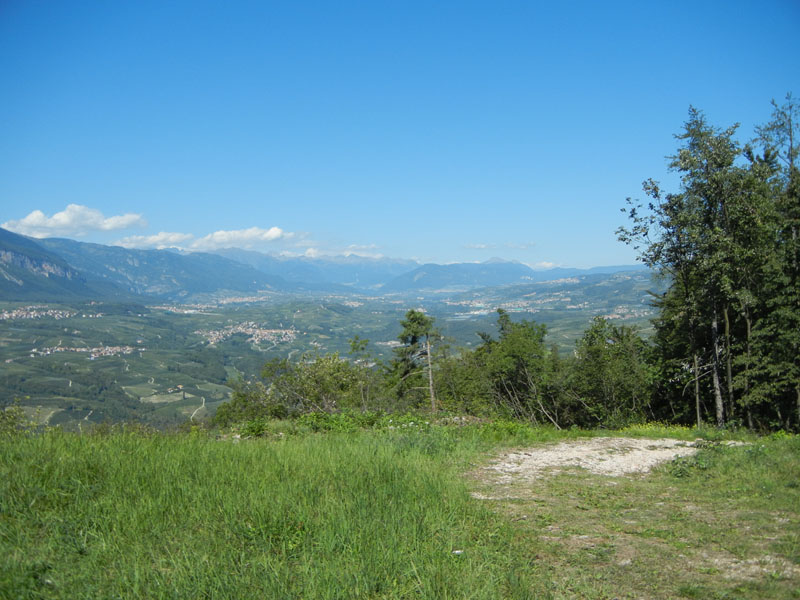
(53, 268)
(162, 273)
(493, 273)
(459, 275)
(30, 272)
(596, 288)
(386, 275)
(357, 272)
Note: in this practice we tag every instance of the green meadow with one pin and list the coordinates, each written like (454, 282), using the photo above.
(387, 512)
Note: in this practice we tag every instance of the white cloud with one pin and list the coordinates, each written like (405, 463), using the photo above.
(75, 220)
(541, 265)
(509, 245)
(162, 239)
(362, 250)
(254, 237)
(240, 238)
(520, 246)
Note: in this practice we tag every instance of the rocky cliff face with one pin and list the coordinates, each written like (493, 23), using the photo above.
(29, 272)
(36, 266)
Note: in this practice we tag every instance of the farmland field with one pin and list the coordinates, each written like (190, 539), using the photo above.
(100, 362)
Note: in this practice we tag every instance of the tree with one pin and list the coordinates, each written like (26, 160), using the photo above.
(368, 376)
(462, 385)
(415, 356)
(612, 374)
(686, 236)
(728, 244)
(516, 367)
(777, 337)
(317, 383)
(666, 235)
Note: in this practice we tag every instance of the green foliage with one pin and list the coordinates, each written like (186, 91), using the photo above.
(13, 420)
(658, 429)
(515, 360)
(463, 387)
(410, 373)
(518, 377)
(347, 421)
(612, 375)
(514, 364)
(506, 429)
(322, 383)
(514, 376)
(338, 422)
(688, 466)
(727, 334)
(249, 401)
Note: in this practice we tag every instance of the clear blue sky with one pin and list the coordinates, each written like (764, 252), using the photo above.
(439, 131)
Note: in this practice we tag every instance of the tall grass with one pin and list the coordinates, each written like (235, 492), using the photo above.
(383, 513)
(320, 516)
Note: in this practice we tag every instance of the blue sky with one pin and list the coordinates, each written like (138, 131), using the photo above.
(439, 131)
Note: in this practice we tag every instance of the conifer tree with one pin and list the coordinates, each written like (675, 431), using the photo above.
(417, 337)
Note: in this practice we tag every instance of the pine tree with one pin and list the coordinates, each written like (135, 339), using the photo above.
(417, 337)
(777, 339)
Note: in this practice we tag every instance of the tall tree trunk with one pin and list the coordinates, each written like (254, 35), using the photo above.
(728, 367)
(430, 373)
(747, 370)
(797, 400)
(718, 402)
(697, 390)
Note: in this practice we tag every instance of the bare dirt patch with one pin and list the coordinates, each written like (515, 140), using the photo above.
(612, 456)
(753, 568)
(595, 517)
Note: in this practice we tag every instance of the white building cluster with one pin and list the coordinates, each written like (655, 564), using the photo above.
(256, 333)
(36, 312)
(92, 352)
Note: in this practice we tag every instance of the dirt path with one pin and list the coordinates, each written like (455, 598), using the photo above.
(196, 410)
(652, 538)
(613, 456)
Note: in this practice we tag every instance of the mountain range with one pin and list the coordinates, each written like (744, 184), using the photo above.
(55, 269)
(355, 272)
(28, 271)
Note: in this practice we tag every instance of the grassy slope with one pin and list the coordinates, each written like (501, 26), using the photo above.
(376, 515)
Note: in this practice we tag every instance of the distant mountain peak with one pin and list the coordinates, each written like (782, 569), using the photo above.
(496, 260)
